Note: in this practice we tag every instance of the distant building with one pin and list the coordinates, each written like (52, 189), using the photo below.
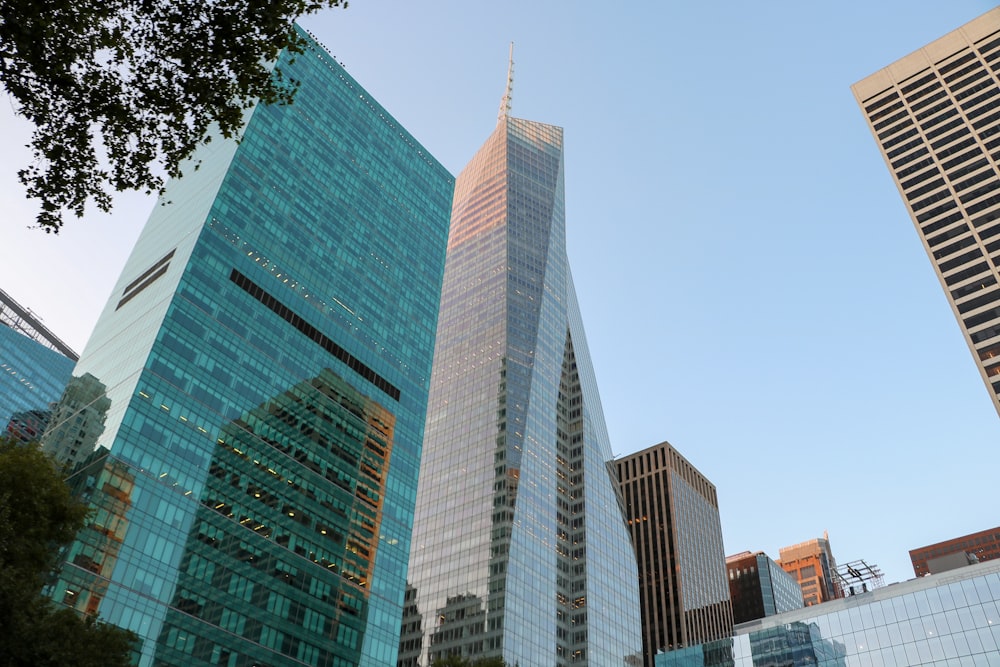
(32, 372)
(984, 545)
(812, 564)
(672, 511)
(934, 117)
(758, 587)
(944, 619)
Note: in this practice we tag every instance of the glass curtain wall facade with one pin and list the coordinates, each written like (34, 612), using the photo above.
(945, 619)
(519, 549)
(260, 378)
(32, 377)
(672, 512)
(935, 115)
(758, 587)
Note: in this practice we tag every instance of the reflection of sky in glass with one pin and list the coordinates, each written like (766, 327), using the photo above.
(519, 547)
(951, 618)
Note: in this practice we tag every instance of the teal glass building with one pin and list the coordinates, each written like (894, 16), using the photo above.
(32, 376)
(520, 549)
(259, 377)
(946, 619)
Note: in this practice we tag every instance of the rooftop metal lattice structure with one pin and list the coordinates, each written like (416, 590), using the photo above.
(859, 577)
(22, 320)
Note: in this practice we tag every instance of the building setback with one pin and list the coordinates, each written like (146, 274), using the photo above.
(811, 563)
(672, 511)
(758, 587)
(260, 377)
(984, 545)
(519, 546)
(935, 115)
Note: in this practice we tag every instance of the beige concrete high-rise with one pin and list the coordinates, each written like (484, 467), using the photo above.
(936, 117)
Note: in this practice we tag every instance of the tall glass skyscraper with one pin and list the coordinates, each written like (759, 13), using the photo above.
(519, 550)
(259, 378)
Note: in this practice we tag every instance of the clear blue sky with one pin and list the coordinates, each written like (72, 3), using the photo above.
(752, 288)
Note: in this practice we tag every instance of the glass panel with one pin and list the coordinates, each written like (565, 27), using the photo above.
(971, 595)
(934, 600)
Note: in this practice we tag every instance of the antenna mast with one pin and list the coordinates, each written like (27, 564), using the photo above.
(506, 100)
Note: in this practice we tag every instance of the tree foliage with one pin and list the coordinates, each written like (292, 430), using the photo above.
(37, 516)
(121, 91)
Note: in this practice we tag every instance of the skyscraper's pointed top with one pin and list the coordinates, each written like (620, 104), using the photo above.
(508, 94)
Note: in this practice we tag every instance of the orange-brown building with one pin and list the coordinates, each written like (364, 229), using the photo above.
(812, 564)
(984, 545)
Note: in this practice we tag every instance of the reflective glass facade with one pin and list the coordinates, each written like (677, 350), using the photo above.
(257, 385)
(758, 587)
(946, 619)
(519, 546)
(32, 376)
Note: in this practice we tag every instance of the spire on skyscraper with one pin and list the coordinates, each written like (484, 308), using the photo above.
(509, 93)
(520, 550)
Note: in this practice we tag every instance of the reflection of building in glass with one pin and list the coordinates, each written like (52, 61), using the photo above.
(984, 545)
(795, 643)
(32, 374)
(28, 425)
(759, 587)
(461, 621)
(517, 507)
(673, 513)
(411, 635)
(321, 539)
(933, 115)
(944, 619)
(77, 421)
(266, 353)
(107, 485)
(812, 564)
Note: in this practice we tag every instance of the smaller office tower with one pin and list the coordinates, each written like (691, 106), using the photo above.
(759, 587)
(935, 115)
(34, 368)
(673, 514)
(247, 418)
(812, 564)
(984, 545)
